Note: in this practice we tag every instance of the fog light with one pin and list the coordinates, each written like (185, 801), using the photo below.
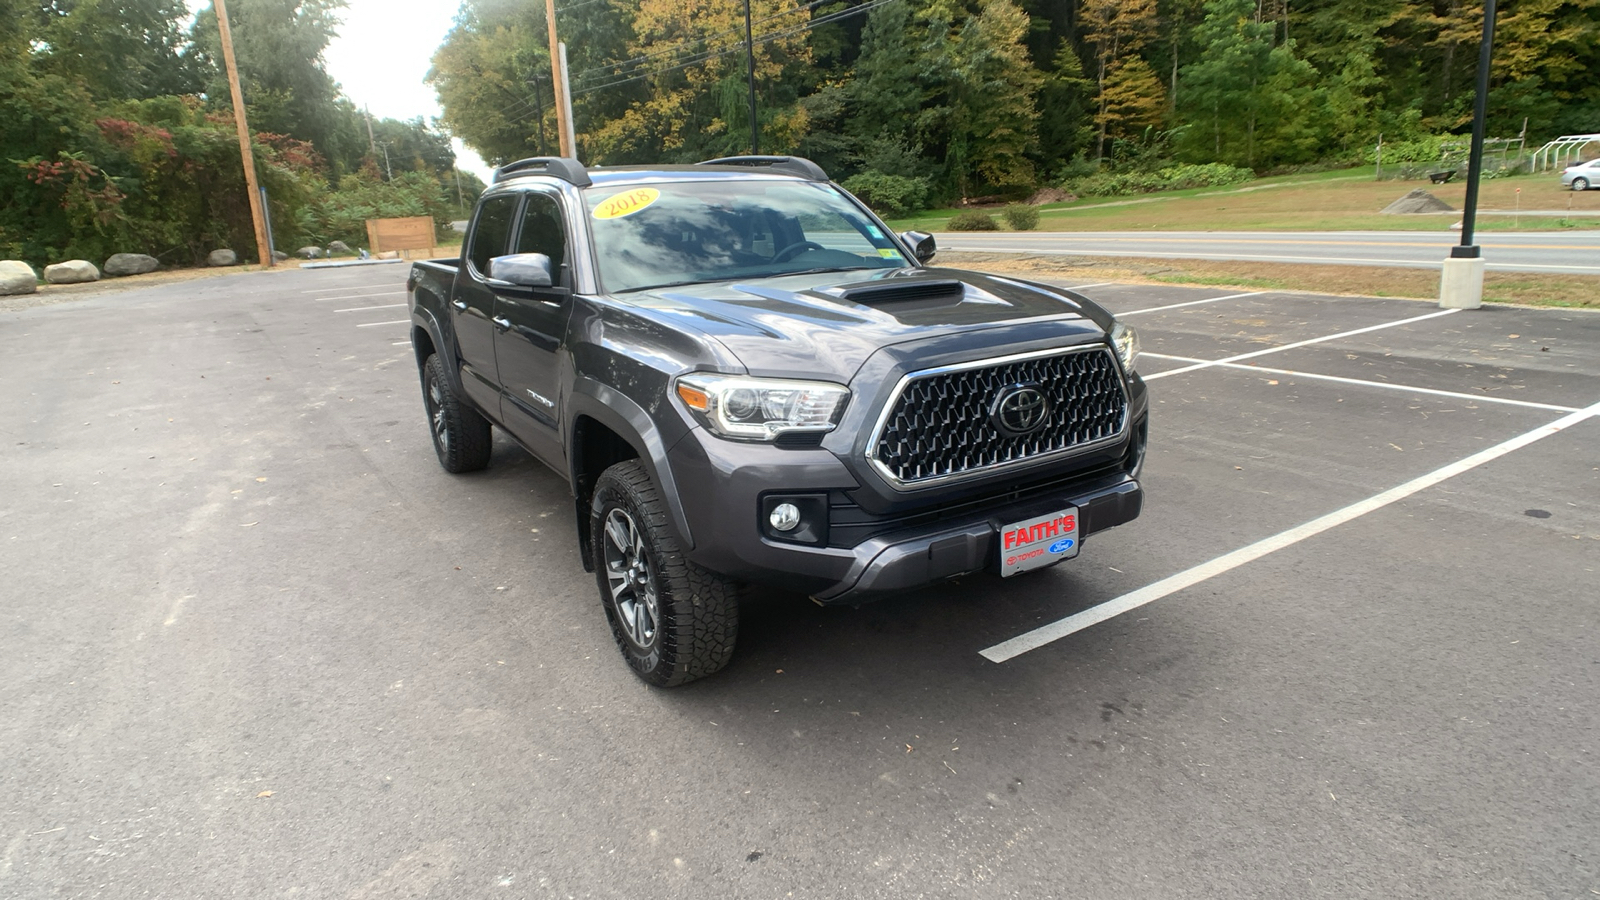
(785, 516)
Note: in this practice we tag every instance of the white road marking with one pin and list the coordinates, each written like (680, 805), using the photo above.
(1291, 373)
(1305, 343)
(350, 287)
(1081, 287)
(358, 296)
(365, 308)
(401, 344)
(1150, 593)
(1140, 312)
(376, 324)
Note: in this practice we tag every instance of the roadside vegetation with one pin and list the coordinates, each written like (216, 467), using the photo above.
(119, 136)
(1344, 200)
(1571, 291)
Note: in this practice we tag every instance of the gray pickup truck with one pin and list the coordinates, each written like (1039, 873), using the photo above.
(746, 377)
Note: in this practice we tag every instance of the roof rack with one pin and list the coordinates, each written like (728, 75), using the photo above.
(790, 165)
(569, 170)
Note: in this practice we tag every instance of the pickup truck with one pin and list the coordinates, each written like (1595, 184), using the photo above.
(747, 378)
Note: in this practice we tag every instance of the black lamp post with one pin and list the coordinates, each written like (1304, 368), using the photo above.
(1461, 282)
(1469, 218)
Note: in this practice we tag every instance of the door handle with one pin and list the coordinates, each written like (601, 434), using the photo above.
(459, 304)
(502, 323)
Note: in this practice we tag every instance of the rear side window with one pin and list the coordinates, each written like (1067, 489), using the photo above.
(542, 232)
(493, 231)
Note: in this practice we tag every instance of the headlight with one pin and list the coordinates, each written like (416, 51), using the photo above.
(1126, 342)
(760, 409)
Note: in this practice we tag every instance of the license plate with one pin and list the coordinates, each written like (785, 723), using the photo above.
(1039, 542)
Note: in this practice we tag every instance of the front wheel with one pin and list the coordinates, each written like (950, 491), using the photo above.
(1580, 184)
(672, 620)
(461, 437)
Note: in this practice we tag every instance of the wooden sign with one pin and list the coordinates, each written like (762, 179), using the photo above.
(415, 233)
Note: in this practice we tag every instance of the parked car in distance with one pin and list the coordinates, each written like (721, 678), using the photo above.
(1582, 176)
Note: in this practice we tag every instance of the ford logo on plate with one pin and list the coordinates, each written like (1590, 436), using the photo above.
(1062, 545)
(1020, 409)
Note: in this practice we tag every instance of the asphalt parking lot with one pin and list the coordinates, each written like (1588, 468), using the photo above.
(256, 643)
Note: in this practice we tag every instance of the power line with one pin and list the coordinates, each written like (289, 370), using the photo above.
(673, 47)
(714, 54)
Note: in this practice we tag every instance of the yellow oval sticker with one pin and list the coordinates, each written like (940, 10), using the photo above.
(626, 203)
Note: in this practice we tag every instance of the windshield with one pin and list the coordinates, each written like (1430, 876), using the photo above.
(671, 233)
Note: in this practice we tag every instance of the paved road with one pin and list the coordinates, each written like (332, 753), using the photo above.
(254, 643)
(1570, 252)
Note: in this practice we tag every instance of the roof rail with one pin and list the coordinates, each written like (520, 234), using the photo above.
(790, 165)
(569, 170)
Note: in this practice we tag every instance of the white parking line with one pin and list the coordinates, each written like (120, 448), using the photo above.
(1140, 312)
(376, 324)
(351, 287)
(401, 344)
(1081, 287)
(1305, 343)
(1094, 615)
(365, 308)
(358, 296)
(1290, 373)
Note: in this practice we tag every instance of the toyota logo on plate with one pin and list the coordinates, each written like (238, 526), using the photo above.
(1019, 410)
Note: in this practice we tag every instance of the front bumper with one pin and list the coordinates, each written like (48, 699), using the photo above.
(723, 483)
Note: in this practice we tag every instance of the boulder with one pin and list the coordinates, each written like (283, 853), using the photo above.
(308, 252)
(73, 271)
(279, 256)
(338, 247)
(1418, 201)
(220, 258)
(17, 277)
(130, 264)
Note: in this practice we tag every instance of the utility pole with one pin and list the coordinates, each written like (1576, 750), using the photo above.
(559, 79)
(386, 170)
(248, 156)
(750, 76)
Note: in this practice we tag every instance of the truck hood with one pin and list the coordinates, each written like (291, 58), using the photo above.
(828, 324)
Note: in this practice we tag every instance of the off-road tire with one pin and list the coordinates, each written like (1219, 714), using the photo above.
(696, 613)
(1580, 184)
(462, 438)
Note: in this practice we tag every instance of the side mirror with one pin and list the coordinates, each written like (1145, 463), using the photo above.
(523, 269)
(922, 245)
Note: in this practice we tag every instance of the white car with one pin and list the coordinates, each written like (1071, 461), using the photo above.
(1582, 176)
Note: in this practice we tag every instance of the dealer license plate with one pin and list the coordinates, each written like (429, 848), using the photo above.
(1039, 542)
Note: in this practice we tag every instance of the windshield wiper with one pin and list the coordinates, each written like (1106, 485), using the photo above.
(823, 270)
(667, 284)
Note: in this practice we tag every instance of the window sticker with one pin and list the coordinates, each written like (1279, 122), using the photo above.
(873, 230)
(626, 203)
(886, 253)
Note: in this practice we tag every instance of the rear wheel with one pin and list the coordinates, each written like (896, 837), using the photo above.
(1580, 184)
(672, 620)
(461, 437)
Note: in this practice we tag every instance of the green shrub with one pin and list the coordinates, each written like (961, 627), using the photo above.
(1172, 178)
(1021, 217)
(971, 220)
(888, 195)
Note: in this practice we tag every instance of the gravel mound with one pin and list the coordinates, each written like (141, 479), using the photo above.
(1418, 201)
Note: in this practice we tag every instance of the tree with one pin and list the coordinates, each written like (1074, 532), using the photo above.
(1117, 28)
(1247, 102)
(115, 49)
(1131, 100)
(287, 88)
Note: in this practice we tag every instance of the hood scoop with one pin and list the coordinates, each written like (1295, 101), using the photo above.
(930, 292)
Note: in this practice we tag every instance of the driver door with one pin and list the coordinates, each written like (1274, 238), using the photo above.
(532, 328)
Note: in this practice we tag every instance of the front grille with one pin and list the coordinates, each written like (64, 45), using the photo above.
(941, 426)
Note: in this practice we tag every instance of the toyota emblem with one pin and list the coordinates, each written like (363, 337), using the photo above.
(1020, 409)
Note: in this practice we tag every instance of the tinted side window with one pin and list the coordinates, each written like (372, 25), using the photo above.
(543, 231)
(493, 231)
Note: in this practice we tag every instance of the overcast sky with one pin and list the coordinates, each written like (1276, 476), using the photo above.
(382, 54)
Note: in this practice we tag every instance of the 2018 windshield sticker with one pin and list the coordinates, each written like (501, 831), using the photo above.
(887, 253)
(626, 203)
